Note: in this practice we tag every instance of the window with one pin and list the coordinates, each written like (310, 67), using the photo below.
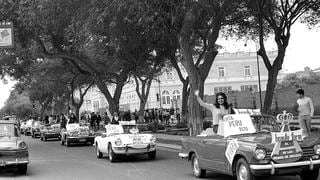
(224, 89)
(221, 71)
(96, 106)
(247, 71)
(249, 88)
(176, 95)
(169, 76)
(165, 97)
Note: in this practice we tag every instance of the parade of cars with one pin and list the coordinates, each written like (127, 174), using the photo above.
(13, 150)
(76, 134)
(247, 147)
(124, 139)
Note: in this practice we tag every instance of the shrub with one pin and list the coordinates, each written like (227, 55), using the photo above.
(181, 124)
(155, 126)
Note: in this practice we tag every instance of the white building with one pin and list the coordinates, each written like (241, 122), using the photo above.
(229, 72)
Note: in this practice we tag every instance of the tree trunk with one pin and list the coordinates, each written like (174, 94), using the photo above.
(272, 82)
(141, 111)
(78, 112)
(185, 96)
(195, 115)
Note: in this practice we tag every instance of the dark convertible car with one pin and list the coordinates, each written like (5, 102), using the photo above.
(247, 147)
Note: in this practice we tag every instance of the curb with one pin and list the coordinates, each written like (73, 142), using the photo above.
(169, 146)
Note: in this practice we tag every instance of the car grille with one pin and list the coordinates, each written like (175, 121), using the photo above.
(308, 152)
(8, 153)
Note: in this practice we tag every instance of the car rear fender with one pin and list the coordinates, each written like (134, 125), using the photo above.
(191, 152)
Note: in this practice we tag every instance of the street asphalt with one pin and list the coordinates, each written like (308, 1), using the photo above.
(50, 160)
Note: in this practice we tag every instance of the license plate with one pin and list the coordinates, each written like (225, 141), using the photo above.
(137, 141)
(82, 140)
(2, 163)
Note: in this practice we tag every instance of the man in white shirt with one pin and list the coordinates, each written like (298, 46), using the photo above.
(305, 110)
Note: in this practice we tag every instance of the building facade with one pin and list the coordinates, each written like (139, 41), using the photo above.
(229, 72)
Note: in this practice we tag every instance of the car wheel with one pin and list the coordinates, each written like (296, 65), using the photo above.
(22, 169)
(99, 154)
(111, 154)
(62, 142)
(310, 175)
(41, 138)
(152, 155)
(67, 142)
(197, 171)
(243, 171)
(45, 139)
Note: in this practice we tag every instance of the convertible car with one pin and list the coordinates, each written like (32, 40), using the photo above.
(76, 134)
(247, 147)
(124, 139)
(50, 132)
(13, 150)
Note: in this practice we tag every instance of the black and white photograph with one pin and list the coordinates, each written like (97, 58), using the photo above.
(159, 89)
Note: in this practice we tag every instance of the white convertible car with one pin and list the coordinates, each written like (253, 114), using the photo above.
(124, 139)
(76, 134)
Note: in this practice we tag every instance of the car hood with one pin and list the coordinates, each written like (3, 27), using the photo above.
(8, 143)
(265, 140)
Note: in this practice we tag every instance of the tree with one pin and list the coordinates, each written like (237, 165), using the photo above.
(279, 16)
(60, 30)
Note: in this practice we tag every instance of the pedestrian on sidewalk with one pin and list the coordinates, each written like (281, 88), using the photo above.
(305, 110)
(220, 108)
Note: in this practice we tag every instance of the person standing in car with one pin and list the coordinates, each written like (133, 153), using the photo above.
(306, 111)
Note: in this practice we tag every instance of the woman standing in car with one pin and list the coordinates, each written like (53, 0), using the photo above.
(220, 108)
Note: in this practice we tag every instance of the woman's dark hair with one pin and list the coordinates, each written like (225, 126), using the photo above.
(224, 96)
(300, 91)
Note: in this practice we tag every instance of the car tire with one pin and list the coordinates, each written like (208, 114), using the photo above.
(197, 171)
(310, 175)
(112, 156)
(152, 155)
(61, 142)
(41, 138)
(45, 139)
(67, 142)
(243, 171)
(99, 154)
(22, 169)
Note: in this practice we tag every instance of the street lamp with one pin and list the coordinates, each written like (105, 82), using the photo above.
(258, 68)
(259, 78)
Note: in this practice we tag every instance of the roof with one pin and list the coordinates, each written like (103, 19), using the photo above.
(8, 122)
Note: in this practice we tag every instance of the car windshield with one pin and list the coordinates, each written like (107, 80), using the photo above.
(127, 128)
(8, 130)
(265, 124)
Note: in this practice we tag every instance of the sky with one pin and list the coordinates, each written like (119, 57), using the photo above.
(302, 51)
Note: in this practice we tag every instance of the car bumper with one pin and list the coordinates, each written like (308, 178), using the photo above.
(51, 135)
(184, 155)
(13, 161)
(81, 139)
(272, 168)
(134, 149)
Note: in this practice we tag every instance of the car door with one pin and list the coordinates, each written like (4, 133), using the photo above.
(103, 144)
(213, 152)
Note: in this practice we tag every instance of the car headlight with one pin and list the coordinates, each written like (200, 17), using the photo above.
(153, 139)
(259, 154)
(22, 145)
(316, 149)
(118, 142)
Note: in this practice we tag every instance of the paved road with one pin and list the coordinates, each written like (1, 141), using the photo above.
(50, 160)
